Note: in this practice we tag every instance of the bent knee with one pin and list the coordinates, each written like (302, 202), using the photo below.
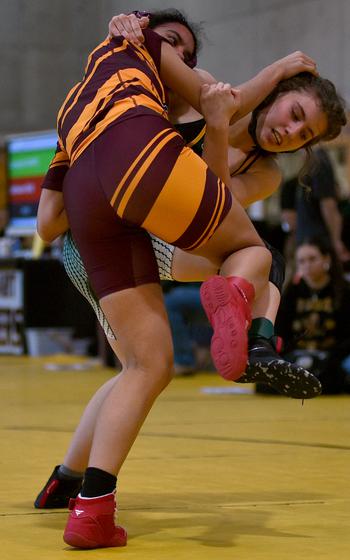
(156, 367)
(266, 257)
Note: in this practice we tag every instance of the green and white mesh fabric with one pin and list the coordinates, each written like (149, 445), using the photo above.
(75, 269)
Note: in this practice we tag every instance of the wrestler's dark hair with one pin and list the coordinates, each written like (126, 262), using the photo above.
(172, 15)
(330, 102)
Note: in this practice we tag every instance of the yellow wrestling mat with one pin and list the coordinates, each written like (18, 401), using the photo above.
(213, 475)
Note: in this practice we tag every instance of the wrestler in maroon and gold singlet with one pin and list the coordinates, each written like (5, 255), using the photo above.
(129, 168)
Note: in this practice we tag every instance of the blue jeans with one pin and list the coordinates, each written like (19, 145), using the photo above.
(189, 325)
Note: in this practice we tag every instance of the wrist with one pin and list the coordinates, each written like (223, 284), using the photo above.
(273, 73)
(218, 125)
(219, 122)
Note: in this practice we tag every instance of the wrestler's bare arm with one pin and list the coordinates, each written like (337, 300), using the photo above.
(52, 219)
(184, 81)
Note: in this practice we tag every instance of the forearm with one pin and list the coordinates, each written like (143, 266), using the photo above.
(215, 151)
(333, 222)
(52, 219)
(49, 231)
(218, 104)
(254, 91)
(57, 227)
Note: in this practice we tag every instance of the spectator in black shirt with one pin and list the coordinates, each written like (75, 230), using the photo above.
(314, 316)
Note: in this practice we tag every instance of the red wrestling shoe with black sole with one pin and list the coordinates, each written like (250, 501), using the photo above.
(226, 302)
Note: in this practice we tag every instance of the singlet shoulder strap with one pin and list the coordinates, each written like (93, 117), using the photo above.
(246, 164)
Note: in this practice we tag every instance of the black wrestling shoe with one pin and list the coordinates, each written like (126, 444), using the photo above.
(267, 367)
(57, 492)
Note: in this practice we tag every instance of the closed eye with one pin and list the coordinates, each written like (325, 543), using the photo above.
(174, 37)
(172, 41)
(301, 116)
(295, 117)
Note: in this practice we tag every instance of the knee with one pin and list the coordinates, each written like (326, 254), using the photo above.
(154, 370)
(263, 260)
(161, 369)
(267, 259)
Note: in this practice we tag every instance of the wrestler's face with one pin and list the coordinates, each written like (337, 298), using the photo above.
(290, 122)
(312, 265)
(179, 37)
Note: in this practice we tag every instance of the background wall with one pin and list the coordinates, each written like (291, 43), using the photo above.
(43, 44)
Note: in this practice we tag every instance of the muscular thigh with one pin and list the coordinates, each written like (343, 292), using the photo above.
(139, 317)
(236, 232)
(153, 181)
(116, 255)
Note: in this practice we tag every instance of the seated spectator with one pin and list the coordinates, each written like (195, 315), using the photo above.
(314, 316)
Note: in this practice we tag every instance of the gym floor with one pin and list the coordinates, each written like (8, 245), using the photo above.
(214, 474)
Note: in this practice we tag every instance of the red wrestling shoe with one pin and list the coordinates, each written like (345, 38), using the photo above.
(226, 302)
(91, 523)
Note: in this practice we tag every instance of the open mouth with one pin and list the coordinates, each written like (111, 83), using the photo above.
(277, 137)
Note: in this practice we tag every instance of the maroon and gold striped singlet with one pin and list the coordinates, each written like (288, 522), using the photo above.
(122, 150)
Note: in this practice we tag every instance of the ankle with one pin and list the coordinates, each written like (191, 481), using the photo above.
(274, 342)
(97, 482)
(65, 473)
(261, 328)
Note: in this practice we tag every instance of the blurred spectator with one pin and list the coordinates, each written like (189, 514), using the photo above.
(310, 212)
(190, 328)
(314, 316)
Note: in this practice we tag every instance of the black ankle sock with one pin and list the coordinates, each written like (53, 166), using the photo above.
(261, 327)
(97, 483)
